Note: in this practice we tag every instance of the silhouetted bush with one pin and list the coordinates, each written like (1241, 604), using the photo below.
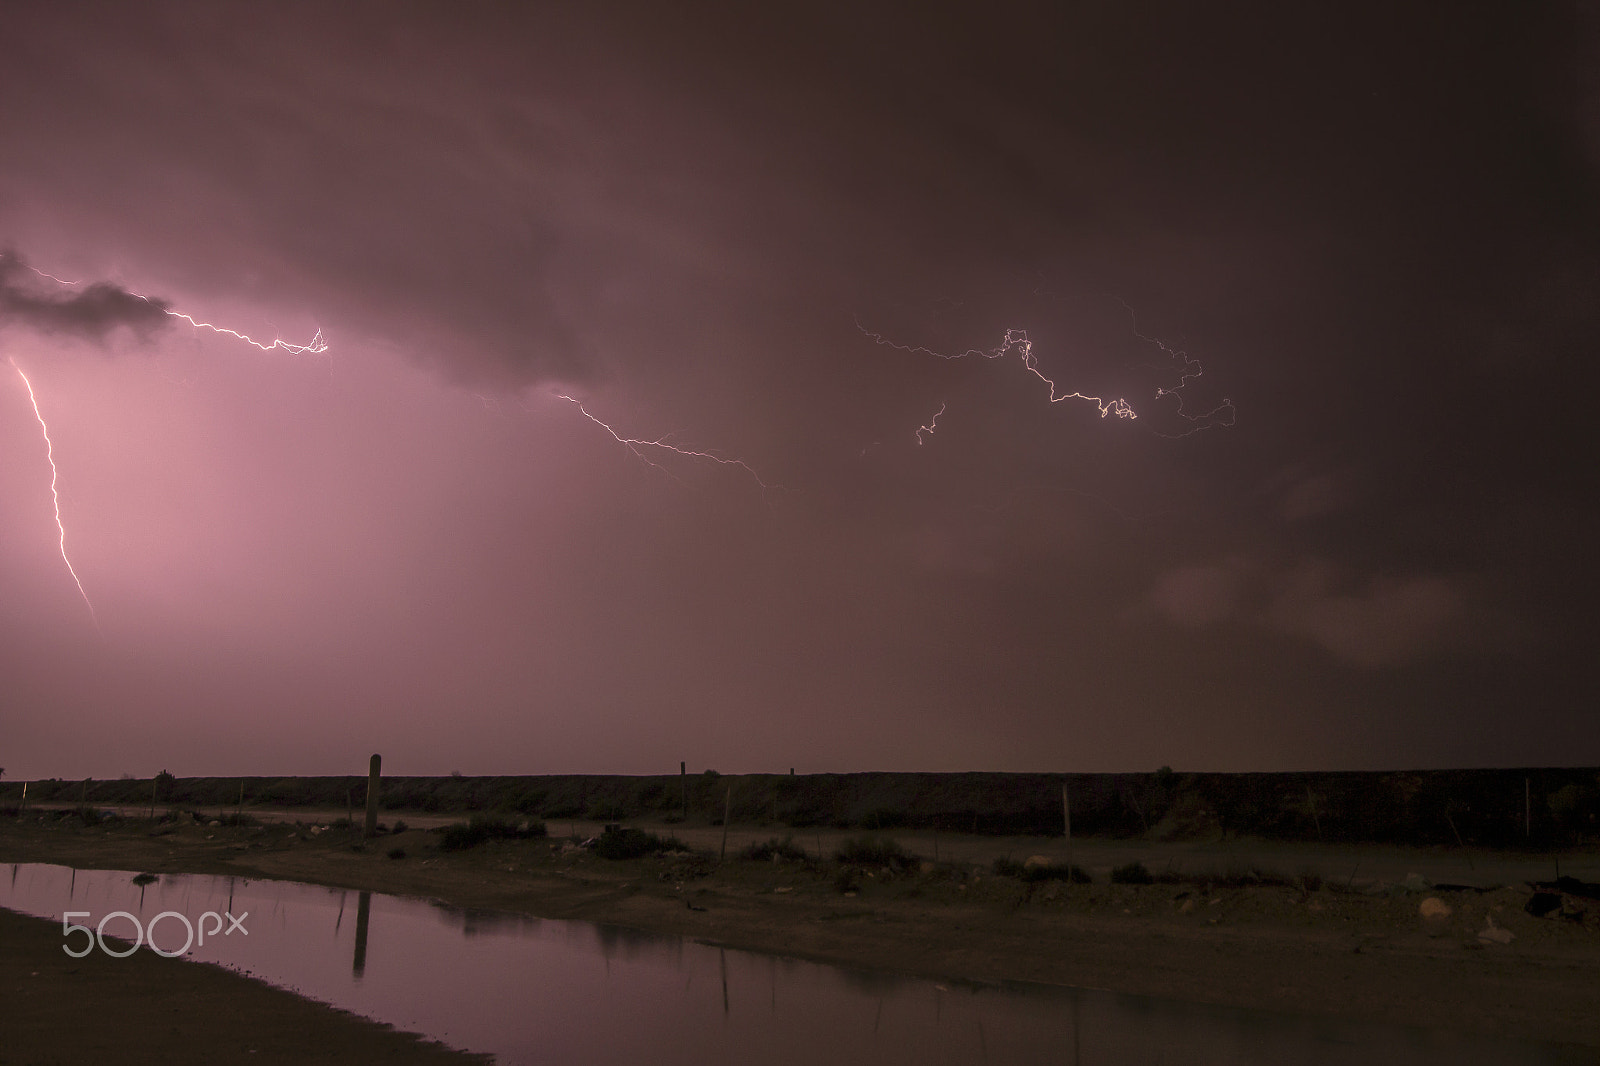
(1134, 873)
(872, 851)
(459, 836)
(1047, 872)
(774, 849)
(624, 843)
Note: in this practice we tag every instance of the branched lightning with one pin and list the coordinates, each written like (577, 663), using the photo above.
(61, 529)
(316, 344)
(1223, 415)
(1014, 340)
(932, 423)
(636, 446)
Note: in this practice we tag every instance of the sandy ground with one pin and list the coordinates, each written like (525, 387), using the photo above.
(1355, 945)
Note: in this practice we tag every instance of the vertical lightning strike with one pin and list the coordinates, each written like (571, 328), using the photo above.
(49, 452)
(932, 423)
(635, 444)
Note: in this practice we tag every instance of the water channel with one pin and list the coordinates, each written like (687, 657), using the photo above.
(533, 990)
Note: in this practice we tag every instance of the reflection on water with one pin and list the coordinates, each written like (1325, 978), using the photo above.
(535, 991)
(363, 915)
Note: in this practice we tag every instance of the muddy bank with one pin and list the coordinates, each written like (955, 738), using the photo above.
(146, 1009)
(1349, 947)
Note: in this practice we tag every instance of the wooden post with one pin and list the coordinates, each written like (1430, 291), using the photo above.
(1311, 802)
(1066, 820)
(241, 797)
(1527, 809)
(375, 766)
(683, 776)
(24, 805)
(727, 811)
(153, 781)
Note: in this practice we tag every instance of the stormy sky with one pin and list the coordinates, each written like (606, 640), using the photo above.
(1341, 261)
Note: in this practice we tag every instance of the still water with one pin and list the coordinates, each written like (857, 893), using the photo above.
(535, 990)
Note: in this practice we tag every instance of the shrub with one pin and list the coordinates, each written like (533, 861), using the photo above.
(89, 815)
(1051, 872)
(397, 853)
(400, 826)
(459, 836)
(1134, 873)
(774, 849)
(623, 843)
(872, 851)
(239, 819)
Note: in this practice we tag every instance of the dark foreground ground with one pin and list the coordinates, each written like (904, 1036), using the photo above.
(1355, 946)
(146, 1009)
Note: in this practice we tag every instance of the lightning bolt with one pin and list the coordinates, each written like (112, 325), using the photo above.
(1015, 340)
(932, 423)
(1224, 415)
(315, 345)
(50, 455)
(636, 446)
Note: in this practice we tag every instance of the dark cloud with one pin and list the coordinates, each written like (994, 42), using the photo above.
(89, 311)
(1376, 229)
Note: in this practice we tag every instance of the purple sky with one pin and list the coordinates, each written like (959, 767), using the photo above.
(1376, 232)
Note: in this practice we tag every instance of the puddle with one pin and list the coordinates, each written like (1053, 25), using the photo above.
(533, 990)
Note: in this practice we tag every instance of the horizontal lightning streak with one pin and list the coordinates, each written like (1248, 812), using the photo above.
(1017, 340)
(634, 444)
(316, 344)
(50, 455)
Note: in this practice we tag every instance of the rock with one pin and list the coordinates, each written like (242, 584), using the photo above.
(1434, 909)
(1416, 883)
(1035, 861)
(1188, 905)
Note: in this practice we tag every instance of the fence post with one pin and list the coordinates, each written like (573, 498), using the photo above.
(373, 771)
(727, 811)
(1066, 820)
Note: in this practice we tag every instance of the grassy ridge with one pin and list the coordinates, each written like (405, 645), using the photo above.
(1480, 807)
